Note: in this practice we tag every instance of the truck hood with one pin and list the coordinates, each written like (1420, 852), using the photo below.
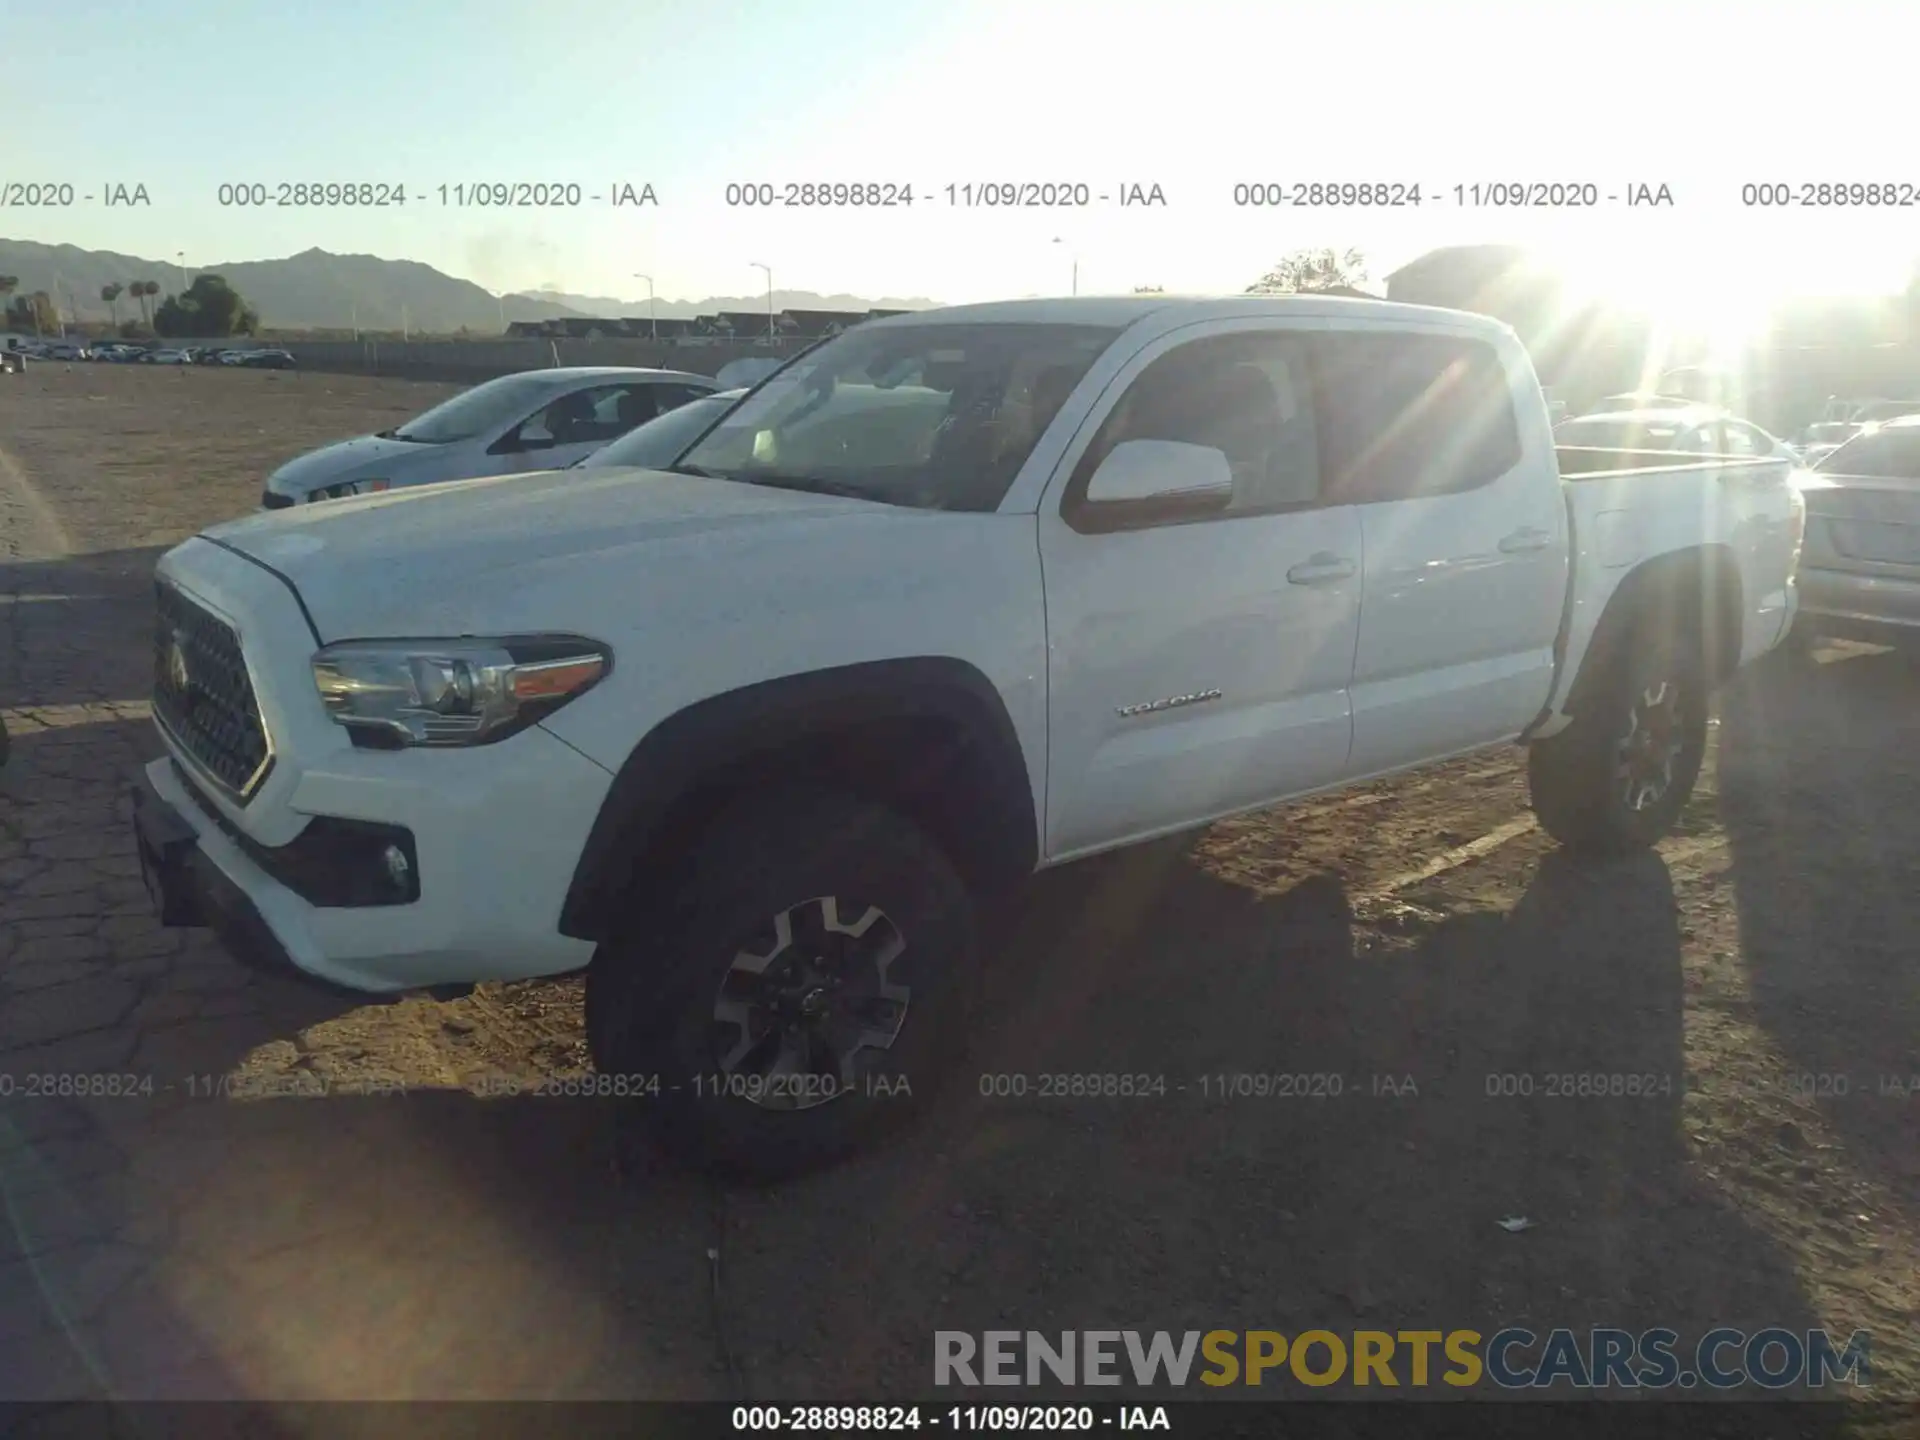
(361, 458)
(458, 554)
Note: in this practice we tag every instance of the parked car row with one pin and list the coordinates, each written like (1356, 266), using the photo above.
(123, 352)
(754, 734)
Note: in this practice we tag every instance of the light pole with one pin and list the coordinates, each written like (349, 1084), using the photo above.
(501, 301)
(769, 269)
(1058, 240)
(58, 285)
(180, 264)
(653, 322)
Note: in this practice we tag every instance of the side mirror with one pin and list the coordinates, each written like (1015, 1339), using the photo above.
(1166, 473)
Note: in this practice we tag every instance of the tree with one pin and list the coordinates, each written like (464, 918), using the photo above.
(111, 294)
(1316, 271)
(33, 312)
(210, 308)
(8, 284)
(144, 291)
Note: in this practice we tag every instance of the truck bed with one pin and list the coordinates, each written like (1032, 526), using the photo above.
(1590, 462)
(1628, 507)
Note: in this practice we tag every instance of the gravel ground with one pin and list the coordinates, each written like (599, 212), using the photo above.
(313, 1199)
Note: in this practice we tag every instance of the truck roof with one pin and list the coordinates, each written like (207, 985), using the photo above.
(1123, 310)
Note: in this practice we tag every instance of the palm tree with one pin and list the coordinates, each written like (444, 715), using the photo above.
(143, 290)
(111, 294)
(8, 284)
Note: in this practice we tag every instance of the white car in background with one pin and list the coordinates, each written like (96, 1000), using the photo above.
(170, 357)
(1823, 437)
(533, 420)
(1690, 429)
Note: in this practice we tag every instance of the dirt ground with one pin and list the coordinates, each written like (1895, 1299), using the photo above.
(252, 1228)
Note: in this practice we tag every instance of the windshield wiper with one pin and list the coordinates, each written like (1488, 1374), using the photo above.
(811, 484)
(684, 469)
(405, 439)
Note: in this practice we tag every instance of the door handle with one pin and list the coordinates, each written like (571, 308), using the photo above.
(1527, 539)
(1321, 569)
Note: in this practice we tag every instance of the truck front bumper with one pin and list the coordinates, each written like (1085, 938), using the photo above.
(189, 890)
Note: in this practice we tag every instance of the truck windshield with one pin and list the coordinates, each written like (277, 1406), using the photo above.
(477, 411)
(930, 415)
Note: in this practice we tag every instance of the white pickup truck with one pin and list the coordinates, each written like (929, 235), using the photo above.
(954, 597)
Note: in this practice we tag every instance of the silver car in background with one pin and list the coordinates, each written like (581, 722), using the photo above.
(534, 420)
(660, 442)
(1860, 561)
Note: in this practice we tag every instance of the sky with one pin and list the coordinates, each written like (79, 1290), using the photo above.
(185, 96)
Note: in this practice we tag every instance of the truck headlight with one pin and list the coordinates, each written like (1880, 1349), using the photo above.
(399, 693)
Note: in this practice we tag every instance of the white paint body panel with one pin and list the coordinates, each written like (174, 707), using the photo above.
(1445, 638)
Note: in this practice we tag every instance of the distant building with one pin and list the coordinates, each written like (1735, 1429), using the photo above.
(818, 324)
(745, 324)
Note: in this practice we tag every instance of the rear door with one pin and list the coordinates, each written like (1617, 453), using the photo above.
(1464, 533)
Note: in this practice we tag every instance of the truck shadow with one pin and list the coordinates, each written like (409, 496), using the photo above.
(77, 631)
(1820, 798)
(411, 1240)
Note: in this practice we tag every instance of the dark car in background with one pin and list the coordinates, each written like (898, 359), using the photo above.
(1860, 560)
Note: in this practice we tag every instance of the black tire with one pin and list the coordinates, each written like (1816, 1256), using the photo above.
(1797, 645)
(1579, 793)
(652, 992)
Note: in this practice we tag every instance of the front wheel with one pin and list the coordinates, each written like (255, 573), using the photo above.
(803, 997)
(1616, 779)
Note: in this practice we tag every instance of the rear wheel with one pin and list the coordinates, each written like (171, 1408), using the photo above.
(1617, 778)
(805, 995)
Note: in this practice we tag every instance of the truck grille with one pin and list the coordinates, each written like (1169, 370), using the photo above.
(202, 694)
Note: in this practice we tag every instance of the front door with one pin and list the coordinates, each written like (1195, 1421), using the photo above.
(1198, 666)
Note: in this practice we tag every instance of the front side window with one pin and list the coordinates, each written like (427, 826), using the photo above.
(930, 415)
(1408, 416)
(475, 412)
(1245, 395)
(586, 417)
(659, 442)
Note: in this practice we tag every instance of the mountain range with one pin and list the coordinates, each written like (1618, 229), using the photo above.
(318, 290)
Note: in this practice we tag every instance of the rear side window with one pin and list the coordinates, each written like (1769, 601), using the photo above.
(1407, 416)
